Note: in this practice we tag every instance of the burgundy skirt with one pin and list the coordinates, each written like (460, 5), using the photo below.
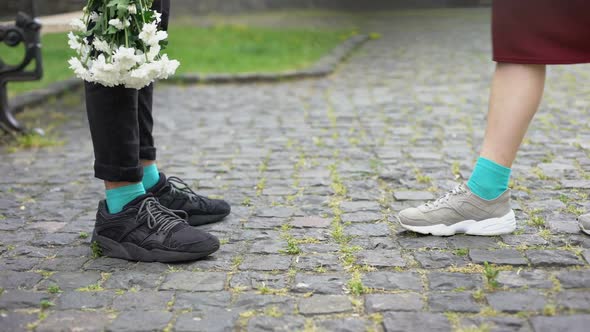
(541, 31)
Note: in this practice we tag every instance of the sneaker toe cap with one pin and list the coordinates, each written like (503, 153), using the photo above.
(197, 241)
(412, 217)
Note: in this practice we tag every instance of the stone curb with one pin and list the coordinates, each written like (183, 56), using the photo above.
(325, 66)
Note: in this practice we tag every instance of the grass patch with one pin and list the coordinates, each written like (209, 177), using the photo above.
(217, 49)
(32, 141)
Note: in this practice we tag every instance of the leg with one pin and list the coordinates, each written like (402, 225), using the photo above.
(516, 93)
(483, 206)
(112, 116)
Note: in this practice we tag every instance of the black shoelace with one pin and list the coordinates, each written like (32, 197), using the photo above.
(158, 216)
(178, 184)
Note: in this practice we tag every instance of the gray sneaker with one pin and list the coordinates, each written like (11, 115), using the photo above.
(461, 211)
(584, 222)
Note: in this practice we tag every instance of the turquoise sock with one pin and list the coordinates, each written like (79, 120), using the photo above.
(489, 180)
(151, 176)
(117, 198)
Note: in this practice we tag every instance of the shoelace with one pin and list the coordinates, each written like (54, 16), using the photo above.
(457, 191)
(158, 215)
(176, 184)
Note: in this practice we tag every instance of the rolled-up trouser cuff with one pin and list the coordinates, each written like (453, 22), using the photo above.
(147, 153)
(118, 174)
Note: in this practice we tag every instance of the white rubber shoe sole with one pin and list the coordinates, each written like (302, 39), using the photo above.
(587, 231)
(486, 227)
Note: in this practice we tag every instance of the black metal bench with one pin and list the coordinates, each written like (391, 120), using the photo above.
(26, 30)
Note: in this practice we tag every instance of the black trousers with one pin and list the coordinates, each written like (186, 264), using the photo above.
(121, 124)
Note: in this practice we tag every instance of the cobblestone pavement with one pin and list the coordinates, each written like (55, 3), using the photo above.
(315, 171)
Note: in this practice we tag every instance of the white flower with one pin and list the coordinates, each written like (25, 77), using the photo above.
(120, 25)
(74, 42)
(138, 78)
(153, 52)
(94, 16)
(101, 45)
(105, 73)
(158, 16)
(78, 25)
(79, 69)
(125, 58)
(150, 35)
(132, 9)
(167, 67)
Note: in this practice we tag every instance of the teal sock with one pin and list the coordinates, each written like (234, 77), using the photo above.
(489, 180)
(151, 176)
(117, 198)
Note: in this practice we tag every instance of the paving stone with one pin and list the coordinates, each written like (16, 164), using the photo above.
(310, 222)
(71, 280)
(72, 320)
(517, 279)
(11, 279)
(324, 305)
(145, 300)
(495, 324)
(413, 195)
(342, 325)
(16, 321)
(132, 279)
(381, 258)
(202, 301)
(268, 247)
(249, 301)
(319, 284)
(140, 321)
(415, 322)
(452, 280)
(393, 302)
(219, 320)
(572, 323)
(459, 302)
(284, 323)
(563, 226)
(576, 300)
(277, 212)
(574, 279)
(553, 258)
(524, 239)
(472, 242)
(362, 217)
(328, 262)
(500, 256)
(356, 206)
(265, 262)
(432, 242)
(386, 280)
(84, 300)
(194, 281)
(513, 302)
(367, 230)
(438, 259)
(17, 299)
(256, 280)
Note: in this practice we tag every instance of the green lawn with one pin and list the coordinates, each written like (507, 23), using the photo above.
(220, 49)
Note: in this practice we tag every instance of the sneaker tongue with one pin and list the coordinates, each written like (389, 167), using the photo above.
(137, 200)
(160, 185)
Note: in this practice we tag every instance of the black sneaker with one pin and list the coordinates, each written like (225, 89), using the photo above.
(147, 231)
(175, 194)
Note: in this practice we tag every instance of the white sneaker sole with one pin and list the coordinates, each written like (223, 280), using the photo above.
(587, 231)
(487, 227)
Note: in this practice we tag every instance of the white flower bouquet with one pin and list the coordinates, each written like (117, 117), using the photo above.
(118, 42)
